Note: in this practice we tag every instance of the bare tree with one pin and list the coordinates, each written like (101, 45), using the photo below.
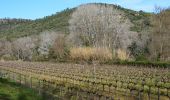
(160, 34)
(23, 48)
(59, 48)
(46, 40)
(101, 25)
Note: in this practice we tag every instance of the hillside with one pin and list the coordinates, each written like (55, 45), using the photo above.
(7, 24)
(59, 22)
(15, 29)
(89, 29)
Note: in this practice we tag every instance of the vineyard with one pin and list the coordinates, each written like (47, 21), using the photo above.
(96, 82)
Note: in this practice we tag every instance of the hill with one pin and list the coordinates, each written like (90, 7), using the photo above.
(15, 28)
(124, 33)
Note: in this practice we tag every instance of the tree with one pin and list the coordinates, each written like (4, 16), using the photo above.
(46, 40)
(100, 25)
(59, 49)
(160, 37)
(22, 48)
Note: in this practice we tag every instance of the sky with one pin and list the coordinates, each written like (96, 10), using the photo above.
(33, 9)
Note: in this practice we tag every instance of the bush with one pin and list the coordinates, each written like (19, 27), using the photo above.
(90, 54)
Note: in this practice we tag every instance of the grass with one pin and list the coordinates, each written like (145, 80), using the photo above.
(13, 91)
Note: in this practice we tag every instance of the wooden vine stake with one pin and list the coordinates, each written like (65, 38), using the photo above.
(30, 82)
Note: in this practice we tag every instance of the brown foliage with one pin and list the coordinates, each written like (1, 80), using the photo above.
(59, 47)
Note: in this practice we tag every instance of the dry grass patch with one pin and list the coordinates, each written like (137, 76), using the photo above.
(122, 54)
(90, 53)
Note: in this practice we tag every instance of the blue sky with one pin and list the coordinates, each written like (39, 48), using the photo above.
(32, 9)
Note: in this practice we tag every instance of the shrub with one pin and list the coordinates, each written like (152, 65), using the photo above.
(141, 58)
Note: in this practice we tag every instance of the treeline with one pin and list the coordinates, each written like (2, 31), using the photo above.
(13, 20)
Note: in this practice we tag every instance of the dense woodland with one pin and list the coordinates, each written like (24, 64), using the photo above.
(90, 32)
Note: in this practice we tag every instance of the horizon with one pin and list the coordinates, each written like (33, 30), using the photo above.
(40, 8)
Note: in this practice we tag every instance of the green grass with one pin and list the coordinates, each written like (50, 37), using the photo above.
(12, 91)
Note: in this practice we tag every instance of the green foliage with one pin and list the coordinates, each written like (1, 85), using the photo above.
(167, 85)
(58, 22)
(140, 19)
(146, 88)
(141, 58)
